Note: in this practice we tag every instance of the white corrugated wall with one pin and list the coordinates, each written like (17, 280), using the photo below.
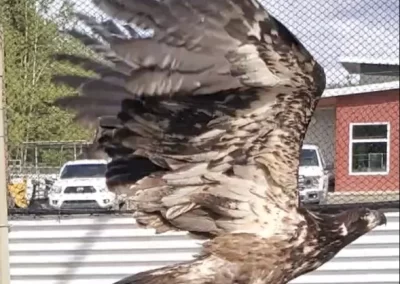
(101, 250)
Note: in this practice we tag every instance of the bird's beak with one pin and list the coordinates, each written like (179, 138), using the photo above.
(382, 219)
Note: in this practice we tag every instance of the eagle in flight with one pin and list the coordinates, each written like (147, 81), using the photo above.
(210, 110)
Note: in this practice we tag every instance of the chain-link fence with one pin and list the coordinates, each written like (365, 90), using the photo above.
(351, 152)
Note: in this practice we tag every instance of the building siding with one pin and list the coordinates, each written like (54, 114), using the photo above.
(376, 107)
(104, 249)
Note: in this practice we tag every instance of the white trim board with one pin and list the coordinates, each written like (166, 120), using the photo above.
(361, 89)
(350, 157)
(369, 60)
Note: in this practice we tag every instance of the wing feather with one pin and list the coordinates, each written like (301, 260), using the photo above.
(217, 102)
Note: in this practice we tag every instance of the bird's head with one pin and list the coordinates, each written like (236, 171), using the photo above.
(357, 222)
(333, 232)
(330, 233)
(339, 230)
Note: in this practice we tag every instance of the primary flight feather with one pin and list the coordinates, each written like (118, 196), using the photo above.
(204, 121)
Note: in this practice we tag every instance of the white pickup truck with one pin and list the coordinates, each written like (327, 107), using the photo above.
(81, 184)
(313, 176)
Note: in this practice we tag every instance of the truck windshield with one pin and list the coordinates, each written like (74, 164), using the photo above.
(83, 171)
(308, 157)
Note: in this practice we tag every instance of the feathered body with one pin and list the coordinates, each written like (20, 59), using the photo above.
(213, 108)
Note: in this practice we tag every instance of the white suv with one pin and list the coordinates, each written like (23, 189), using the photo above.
(81, 184)
(313, 177)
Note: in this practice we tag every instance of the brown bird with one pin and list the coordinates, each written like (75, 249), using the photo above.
(204, 120)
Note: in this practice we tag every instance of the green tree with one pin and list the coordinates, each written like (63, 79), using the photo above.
(31, 36)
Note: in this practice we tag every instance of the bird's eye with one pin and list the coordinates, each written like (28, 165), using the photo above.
(367, 214)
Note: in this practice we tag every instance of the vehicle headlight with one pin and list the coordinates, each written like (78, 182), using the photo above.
(310, 182)
(56, 189)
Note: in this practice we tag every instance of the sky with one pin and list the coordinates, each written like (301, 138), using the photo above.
(332, 29)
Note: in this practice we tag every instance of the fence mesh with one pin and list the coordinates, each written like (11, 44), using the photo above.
(351, 151)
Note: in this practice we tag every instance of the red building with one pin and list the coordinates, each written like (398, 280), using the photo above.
(357, 129)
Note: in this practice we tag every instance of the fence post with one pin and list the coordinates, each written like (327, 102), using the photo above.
(4, 253)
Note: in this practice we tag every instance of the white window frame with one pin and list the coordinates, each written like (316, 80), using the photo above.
(351, 141)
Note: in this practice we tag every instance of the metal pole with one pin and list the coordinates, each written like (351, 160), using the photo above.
(4, 253)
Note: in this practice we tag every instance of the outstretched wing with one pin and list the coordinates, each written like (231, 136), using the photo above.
(216, 102)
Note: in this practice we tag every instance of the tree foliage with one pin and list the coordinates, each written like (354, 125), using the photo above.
(31, 36)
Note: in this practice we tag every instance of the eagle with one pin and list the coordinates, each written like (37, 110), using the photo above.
(203, 118)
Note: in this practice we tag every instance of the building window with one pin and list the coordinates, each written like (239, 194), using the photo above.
(369, 148)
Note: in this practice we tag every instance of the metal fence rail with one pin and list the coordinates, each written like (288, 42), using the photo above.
(353, 140)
